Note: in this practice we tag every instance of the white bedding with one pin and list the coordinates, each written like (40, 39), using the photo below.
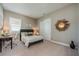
(28, 39)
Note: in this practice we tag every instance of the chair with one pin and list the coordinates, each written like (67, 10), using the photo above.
(15, 37)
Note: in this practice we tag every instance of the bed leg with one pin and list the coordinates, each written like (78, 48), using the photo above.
(28, 45)
(42, 40)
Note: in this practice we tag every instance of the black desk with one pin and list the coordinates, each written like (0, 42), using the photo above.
(2, 39)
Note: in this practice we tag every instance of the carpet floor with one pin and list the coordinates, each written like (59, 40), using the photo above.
(45, 48)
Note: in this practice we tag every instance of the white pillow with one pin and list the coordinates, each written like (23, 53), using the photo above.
(24, 34)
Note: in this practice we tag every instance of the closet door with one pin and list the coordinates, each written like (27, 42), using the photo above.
(45, 29)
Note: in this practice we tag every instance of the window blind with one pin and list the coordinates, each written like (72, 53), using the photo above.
(15, 24)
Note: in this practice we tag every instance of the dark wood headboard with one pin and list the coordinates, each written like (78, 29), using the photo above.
(25, 30)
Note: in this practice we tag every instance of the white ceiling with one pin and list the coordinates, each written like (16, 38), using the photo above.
(35, 10)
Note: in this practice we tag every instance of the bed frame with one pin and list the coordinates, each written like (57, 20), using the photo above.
(25, 30)
(29, 30)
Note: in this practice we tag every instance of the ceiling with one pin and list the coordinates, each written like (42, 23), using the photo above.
(34, 10)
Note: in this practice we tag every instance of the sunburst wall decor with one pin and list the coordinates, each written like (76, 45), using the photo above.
(62, 25)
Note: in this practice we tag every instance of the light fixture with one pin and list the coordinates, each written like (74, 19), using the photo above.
(61, 25)
(36, 31)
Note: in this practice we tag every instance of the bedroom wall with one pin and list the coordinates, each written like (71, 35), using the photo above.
(68, 13)
(78, 28)
(25, 20)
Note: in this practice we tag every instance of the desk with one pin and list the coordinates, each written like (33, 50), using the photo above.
(5, 39)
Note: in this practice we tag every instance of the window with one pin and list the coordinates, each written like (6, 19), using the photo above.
(15, 24)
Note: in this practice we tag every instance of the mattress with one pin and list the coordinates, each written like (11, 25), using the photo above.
(29, 39)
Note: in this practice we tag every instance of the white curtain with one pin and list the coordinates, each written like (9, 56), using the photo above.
(15, 26)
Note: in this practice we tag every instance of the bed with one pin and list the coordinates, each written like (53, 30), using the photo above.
(27, 37)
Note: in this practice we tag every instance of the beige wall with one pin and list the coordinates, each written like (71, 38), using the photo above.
(68, 13)
(78, 27)
(25, 19)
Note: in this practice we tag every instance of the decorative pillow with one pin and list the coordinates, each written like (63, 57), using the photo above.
(24, 34)
(30, 33)
(27, 33)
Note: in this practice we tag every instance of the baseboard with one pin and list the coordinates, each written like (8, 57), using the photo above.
(60, 43)
(78, 51)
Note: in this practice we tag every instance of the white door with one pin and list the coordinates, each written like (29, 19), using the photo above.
(45, 28)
